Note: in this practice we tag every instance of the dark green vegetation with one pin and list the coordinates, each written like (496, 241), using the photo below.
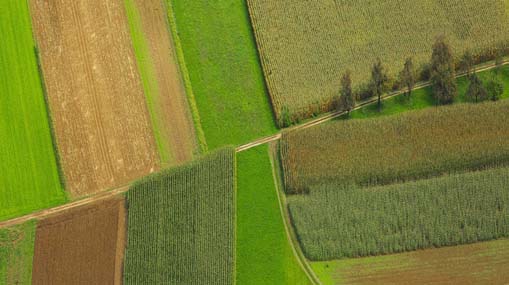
(181, 225)
(339, 220)
(29, 177)
(264, 254)
(479, 263)
(306, 46)
(224, 77)
(16, 253)
(423, 98)
(411, 146)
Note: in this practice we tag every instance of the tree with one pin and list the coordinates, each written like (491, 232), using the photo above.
(408, 76)
(495, 88)
(499, 60)
(443, 76)
(378, 80)
(476, 91)
(467, 62)
(346, 100)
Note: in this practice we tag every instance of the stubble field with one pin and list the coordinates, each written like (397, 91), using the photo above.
(100, 116)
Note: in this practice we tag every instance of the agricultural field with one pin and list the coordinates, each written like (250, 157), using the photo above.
(305, 47)
(102, 125)
(29, 177)
(480, 263)
(16, 252)
(164, 89)
(223, 76)
(81, 246)
(181, 224)
(410, 146)
(343, 221)
(264, 254)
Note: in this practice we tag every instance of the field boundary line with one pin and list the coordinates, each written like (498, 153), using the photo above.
(283, 208)
(333, 115)
(62, 208)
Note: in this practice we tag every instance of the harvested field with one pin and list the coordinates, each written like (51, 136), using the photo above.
(306, 46)
(81, 246)
(480, 263)
(16, 253)
(409, 146)
(162, 83)
(181, 224)
(100, 116)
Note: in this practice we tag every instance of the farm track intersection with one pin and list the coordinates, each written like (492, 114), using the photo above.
(118, 191)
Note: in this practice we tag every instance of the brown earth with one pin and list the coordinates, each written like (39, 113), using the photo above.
(81, 246)
(102, 126)
(480, 263)
(171, 107)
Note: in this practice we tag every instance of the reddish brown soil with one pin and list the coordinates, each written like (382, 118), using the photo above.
(98, 108)
(481, 263)
(171, 108)
(81, 246)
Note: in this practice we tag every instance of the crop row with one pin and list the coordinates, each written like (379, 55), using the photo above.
(337, 220)
(181, 227)
(410, 146)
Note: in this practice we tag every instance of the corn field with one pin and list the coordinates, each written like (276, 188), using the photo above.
(181, 225)
(338, 221)
(409, 146)
(306, 46)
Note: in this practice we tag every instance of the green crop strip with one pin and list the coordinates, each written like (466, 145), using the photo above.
(29, 177)
(16, 253)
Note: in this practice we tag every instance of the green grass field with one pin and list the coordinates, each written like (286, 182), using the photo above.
(341, 221)
(306, 46)
(29, 178)
(148, 77)
(480, 263)
(423, 98)
(221, 60)
(181, 224)
(264, 255)
(16, 253)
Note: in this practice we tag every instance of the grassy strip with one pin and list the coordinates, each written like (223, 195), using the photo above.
(29, 177)
(148, 77)
(423, 98)
(16, 253)
(264, 255)
(480, 263)
(337, 221)
(187, 80)
(216, 48)
(398, 148)
(181, 225)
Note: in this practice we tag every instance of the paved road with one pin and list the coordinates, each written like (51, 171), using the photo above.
(322, 119)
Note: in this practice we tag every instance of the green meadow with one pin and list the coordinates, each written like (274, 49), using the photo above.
(29, 178)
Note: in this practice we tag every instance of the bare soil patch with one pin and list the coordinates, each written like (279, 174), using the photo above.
(81, 246)
(99, 112)
(171, 108)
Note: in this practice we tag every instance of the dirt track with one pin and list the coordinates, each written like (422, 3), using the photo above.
(99, 113)
(81, 246)
(171, 107)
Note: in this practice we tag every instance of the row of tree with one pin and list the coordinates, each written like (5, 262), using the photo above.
(442, 75)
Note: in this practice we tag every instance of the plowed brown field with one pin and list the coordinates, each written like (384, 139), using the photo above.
(171, 107)
(99, 112)
(82, 246)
